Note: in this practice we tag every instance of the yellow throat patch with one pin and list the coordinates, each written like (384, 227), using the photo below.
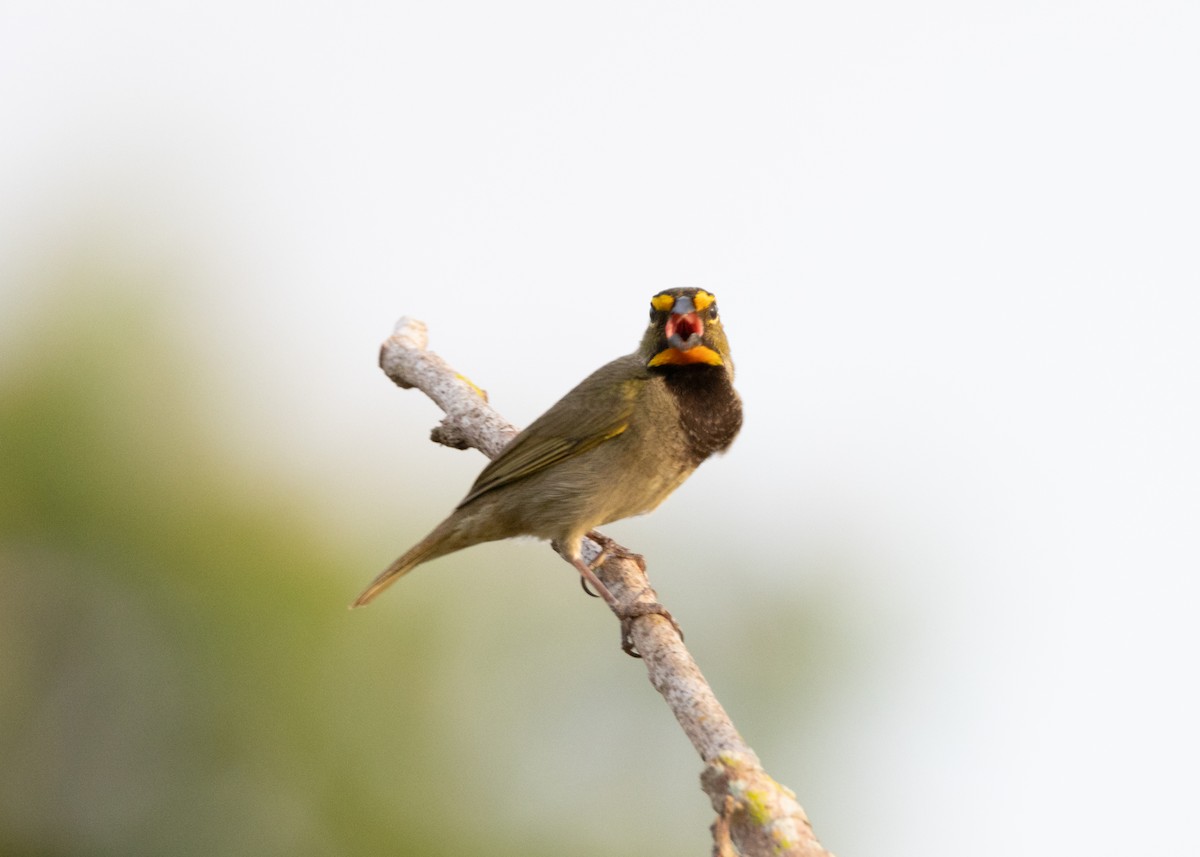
(675, 357)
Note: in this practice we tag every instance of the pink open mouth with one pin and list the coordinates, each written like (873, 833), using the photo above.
(684, 331)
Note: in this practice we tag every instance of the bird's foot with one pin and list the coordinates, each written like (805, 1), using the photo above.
(627, 615)
(609, 548)
(637, 611)
(586, 576)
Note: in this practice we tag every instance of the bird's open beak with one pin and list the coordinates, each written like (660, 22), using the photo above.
(684, 329)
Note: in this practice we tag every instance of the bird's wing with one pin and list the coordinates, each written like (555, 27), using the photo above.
(597, 410)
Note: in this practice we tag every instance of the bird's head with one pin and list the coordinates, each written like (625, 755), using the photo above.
(685, 331)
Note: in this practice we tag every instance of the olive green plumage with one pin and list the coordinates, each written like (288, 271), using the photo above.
(615, 446)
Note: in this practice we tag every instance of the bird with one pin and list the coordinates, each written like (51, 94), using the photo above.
(613, 447)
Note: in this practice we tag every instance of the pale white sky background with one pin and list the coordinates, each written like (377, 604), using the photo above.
(956, 250)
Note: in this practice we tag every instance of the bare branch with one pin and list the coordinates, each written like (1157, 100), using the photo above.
(756, 816)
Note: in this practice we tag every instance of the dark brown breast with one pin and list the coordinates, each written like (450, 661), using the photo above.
(710, 411)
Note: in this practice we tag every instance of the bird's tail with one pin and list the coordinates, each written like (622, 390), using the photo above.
(433, 545)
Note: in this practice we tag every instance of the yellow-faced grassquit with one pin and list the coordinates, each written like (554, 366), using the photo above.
(615, 446)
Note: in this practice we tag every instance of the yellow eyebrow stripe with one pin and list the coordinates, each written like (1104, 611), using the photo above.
(703, 300)
(662, 303)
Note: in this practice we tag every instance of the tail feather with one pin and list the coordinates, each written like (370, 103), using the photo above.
(431, 546)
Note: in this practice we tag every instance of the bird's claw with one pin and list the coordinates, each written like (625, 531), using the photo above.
(636, 612)
(609, 548)
(587, 574)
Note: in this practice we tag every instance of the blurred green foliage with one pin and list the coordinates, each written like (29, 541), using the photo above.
(176, 672)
